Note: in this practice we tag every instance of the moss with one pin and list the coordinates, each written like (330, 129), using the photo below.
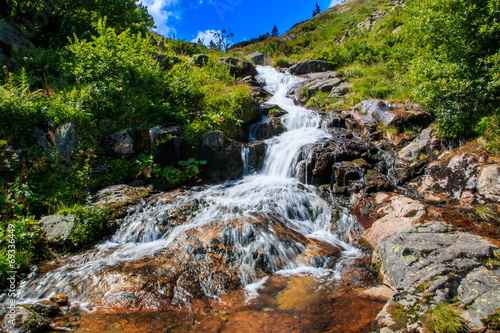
(492, 322)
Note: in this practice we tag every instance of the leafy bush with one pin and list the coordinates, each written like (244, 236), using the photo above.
(281, 62)
(455, 67)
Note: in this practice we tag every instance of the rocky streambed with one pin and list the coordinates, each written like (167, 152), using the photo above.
(335, 227)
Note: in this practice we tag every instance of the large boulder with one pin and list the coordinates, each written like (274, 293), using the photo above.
(393, 114)
(311, 66)
(200, 60)
(489, 182)
(398, 213)
(213, 139)
(266, 129)
(258, 58)
(58, 227)
(435, 263)
(238, 67)
(166, 62)
(121, 143)
(418, 146)
(10, 36)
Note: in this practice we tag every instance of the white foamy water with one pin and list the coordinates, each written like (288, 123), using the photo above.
(238, 209)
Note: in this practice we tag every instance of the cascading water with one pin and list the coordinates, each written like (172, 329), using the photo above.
(265, 221)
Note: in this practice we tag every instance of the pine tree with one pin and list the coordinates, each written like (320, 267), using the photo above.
(317, 10)
(275, 33)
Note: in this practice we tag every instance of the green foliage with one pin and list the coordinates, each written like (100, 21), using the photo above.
(444, 318)
(486, 212)
(281, 62)
(493, 321)
(454, 71)
(52, 22)
(89, 225)
(20, 243)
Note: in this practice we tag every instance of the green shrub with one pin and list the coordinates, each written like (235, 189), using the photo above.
(89, 225)
(444, 318)
(281, 62)
(28, 244)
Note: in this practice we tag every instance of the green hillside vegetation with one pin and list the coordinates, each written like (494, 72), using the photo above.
(102, 73)
(442, 54)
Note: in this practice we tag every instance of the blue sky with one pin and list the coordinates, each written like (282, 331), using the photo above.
(190, 19)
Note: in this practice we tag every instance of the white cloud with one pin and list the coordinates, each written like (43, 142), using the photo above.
(335, 3)
(206, 36)
(162, 12)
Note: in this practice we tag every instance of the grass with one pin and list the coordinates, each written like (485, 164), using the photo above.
(486, 212)
(444, 318)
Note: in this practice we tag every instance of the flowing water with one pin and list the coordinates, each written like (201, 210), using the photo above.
(269, 229)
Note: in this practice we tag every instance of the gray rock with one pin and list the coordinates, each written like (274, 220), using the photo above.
(272, 110)
(489, 182)
(58, 227)
(413, 150)
(253, 157)
(266, 129)
(45, 308)
(159, 133)
(393, 114)
(214, 139)
(200, 60)
(324, 75)
(434, 262)
(10, 36)
(311, 66)
(341, 90)
(480, 293)
(166, 62)
(258, 58)
(24, 321)
(238, 67)
(58, 144)
(121, 143)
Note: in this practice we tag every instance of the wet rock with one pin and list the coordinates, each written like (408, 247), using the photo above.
(213, 140)
(200, 60)
(60, 143)
(272, 110)
(379, 293)
(434, 262)
(311, 66)
(58, 227)
(238, 67)
(393, 114)
(24, 321)
(223, 163)
(60, 299)
(267, 128)
(258, 58)
(258, 91)
(399, 213)
(488, 183)
(46, 308)
(255, 157)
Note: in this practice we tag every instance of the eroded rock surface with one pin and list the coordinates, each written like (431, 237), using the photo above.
(434, 262)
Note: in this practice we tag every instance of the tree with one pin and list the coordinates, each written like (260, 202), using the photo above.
(456, 61)
(221, 39)
(317, 10)
(274, 32)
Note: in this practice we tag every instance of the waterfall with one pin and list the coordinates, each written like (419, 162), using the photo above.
(247, 214)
